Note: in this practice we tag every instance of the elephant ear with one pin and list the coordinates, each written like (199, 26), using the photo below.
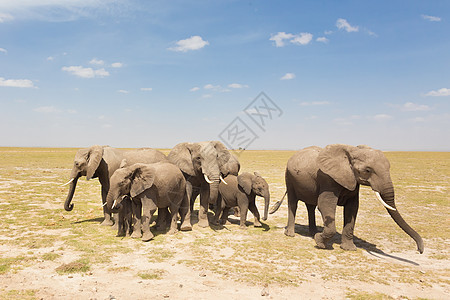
(232, 166)
(142, 178)
(223, 155)
(245, 182)
(181, 156)
(335, 161)
(94, 157)
(123, 163)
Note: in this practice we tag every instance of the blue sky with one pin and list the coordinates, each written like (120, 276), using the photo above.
(156, 73)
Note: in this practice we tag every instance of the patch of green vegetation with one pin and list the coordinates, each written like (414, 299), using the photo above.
(79, 266)
(156, 274)
(360, 295)
(160, 254)
(19, 294)
(119, 269)
(50, 256)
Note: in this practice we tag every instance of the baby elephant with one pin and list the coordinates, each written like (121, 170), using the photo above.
(150, 186)
(241, 191)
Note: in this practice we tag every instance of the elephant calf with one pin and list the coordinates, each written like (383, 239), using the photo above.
(241, 191)
(150, 186)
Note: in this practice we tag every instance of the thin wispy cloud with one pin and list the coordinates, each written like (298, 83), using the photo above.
(431, 18)
(237, 86)
(439, 93)
(280, 38)
(117, 65)
(5, 17)
(147, 89)
(3, 50)
(288, 76)
(47, 109)
(409, 106)
(194, 89)
(193, 43)
(83, 72)
(123, 91)
(19, 83)
(342, 24)
(382, 117)
(314, 103)
(97, 62)
(322, 39)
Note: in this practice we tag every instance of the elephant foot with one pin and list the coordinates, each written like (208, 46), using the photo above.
(257, 223)
(348, 245)
(289, 232)
(136, 234)
(172, 231)
(243, 227)
(120, 233)
(147, 236)
(186, 227)
(115, 226)
(107, 222)
(203, 223)
(320, 241)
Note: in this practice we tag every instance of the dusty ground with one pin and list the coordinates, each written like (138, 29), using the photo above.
(38, 237)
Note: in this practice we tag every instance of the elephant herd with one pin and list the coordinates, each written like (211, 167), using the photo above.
(136, 183)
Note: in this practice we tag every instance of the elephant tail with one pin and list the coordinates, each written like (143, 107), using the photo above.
(277, 205)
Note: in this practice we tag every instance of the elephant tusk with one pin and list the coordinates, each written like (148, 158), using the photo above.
(384, 203)
(104, 204)
(114, 204)
(68, 182)
(207, 179)
(223, 180)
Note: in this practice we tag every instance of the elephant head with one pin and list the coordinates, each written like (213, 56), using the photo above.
(129, 181)
(349, 166)
(254, 183)
(86, 163)
(210, 161)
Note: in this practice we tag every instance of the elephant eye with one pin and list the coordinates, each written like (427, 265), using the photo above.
(368, 170)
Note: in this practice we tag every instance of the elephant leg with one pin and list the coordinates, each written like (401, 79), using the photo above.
(224, 216)
(162, 219)
(106, 212)
(218, 209)
(252, 207)
(189, 193)
(137, 219)
(237, 213)
(327, 203)
(203, 210)
(350, 212)
(148, 209)
(121, 231)
(185, 214)
(243, 206)
(311, 219)
(292, 210)
(173, 219)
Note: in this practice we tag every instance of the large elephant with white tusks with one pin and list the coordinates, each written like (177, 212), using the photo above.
(328, 177)
(101, 162)
(204, 165)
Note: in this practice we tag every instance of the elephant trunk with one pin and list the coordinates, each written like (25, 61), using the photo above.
(73, 184)
(388, 196)
(266, 205)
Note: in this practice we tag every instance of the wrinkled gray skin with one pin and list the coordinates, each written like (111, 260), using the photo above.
(101, 162)
(150, 186)
(331, 176)
(241, 191)
(197, 160)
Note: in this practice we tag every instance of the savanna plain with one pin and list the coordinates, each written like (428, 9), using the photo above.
(48, 253)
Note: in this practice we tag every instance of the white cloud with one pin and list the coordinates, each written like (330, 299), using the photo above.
(409, 106)
(212, 87)
(382, 117)
(123, 91)
(50, 58)
(322, 39)
(206, 96)
(438, 93)
(328, 32)
(117, 65)
(5, 18)
(302, 38)
(431, 18)
(85, 72)
(97, 62)
(146, 89)
(237, 86)
(288, 76)
(343, 24)
(47, 110)
(20, 83)
(315, 103)
(193, 43)
(3, 50)
(280, 37)
(194, 89)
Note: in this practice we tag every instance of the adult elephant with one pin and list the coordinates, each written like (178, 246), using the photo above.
(204, 165)
(331, 176)
(101, 162)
